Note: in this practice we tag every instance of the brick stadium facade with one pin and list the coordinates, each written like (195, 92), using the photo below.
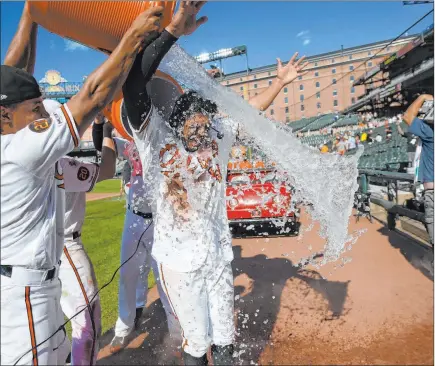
(307, 96)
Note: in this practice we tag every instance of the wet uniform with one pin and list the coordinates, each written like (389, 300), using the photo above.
(133, 280)
(192, 243)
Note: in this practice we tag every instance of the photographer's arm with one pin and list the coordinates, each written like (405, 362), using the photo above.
(413, 109)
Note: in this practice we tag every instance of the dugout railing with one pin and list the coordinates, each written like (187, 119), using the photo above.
(393, 181)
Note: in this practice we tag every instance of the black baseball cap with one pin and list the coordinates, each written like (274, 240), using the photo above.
(16, 86)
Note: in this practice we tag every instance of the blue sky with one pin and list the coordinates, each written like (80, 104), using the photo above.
(268, 29)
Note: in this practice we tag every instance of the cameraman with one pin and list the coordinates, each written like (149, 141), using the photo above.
(423, 128)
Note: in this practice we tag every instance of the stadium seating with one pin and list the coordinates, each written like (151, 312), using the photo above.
(316, 140)
(350, 120)
(300, 124)
(388, 155)
(319, 122)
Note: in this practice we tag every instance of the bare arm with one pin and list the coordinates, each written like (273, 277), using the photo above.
(263, 100)
(107, 148)
(285, 75)
(108, 160)
(22, 50)
(413, 109)
(105, 82)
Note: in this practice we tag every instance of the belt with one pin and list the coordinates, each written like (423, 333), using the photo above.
(148, 215)
(32, 276)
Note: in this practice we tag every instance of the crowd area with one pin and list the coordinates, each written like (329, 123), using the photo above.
(369, 129)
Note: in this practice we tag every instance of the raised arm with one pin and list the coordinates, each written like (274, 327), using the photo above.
(103, 84)
(22, 49)
(413, 109)
(97, 132)
(136, 99)
(108, 154)
(285, 75)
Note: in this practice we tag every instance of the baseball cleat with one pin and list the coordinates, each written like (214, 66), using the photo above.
(222, 355)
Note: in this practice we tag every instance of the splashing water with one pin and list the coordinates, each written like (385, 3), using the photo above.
(325, 183)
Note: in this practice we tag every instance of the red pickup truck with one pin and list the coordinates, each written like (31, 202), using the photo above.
(259, 203)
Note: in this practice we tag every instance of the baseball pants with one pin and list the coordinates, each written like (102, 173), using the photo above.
(203, 301)
(133, 281)
(79, 285)
(31, 313)
(428, 212)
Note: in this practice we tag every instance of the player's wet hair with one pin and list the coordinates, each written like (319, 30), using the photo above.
(187, 105)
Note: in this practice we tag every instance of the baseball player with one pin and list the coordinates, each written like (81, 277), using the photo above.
(192, 239)
(125, 180)
(79, 284)
(32, 210)
(133, 280)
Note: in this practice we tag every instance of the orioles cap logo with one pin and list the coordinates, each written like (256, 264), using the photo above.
(40, 125)
(83, 173)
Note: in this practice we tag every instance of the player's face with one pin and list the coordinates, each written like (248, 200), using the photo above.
(196, 132)
(20, 115)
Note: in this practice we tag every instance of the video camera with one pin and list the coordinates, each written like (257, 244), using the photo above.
(426, 111)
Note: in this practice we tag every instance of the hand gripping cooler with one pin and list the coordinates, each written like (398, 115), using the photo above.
(96, 24)
(101, 25)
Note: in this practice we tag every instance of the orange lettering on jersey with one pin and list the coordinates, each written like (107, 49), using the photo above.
(62, 185)
(40, 125)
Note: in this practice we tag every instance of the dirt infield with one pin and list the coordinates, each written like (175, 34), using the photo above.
(99, 196)
(376, 309)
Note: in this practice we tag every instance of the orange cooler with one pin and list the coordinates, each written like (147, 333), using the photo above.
(96, 24)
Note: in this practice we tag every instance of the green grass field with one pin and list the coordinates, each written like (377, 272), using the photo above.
(101, 234)
(107, 186)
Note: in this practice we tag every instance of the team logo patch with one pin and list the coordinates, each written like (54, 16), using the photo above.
(83, 173)
(40, 125)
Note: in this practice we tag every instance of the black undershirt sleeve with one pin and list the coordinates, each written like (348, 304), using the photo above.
(136, 99)
(97, 136)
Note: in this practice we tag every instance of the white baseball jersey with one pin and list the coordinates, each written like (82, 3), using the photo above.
(185, 236)
(79, 178)
(30, 216)
(136, 190)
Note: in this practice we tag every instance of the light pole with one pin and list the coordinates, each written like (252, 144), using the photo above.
(223, 54)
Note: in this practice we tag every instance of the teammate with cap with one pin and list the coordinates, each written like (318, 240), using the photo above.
(192, 239)
(32, 210)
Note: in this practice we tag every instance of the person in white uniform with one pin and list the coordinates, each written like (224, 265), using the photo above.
(133, 278)
(32, 210)
(185, 168)
(79, 283)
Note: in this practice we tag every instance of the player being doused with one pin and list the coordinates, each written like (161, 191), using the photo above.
(187, 151)
(191, 121)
